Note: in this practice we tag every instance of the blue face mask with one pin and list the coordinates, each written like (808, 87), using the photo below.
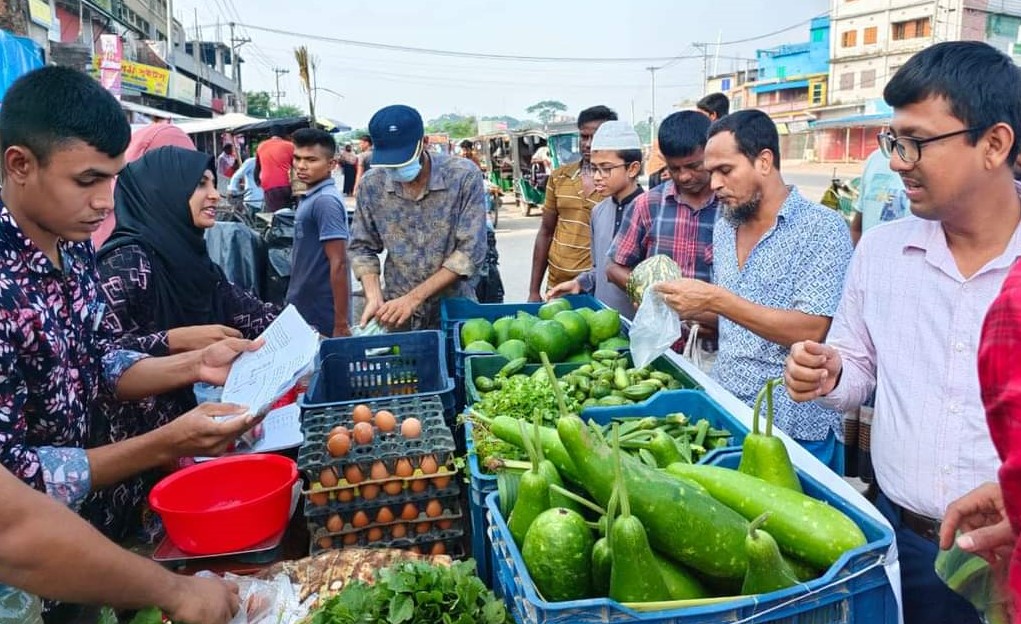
(407, 173)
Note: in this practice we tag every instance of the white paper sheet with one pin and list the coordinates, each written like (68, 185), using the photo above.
(280, 430)
(258, 378)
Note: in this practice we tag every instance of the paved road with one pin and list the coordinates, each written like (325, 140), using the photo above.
(516, 234)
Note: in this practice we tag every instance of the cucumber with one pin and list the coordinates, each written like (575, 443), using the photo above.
(682, 523)
(803, 526)
(512, 367)
(603, 355)
(483, 384)
(558, 555)
(639, 392)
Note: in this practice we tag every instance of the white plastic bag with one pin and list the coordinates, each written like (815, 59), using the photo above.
(265, 602)
(691, 350)
(656, 327)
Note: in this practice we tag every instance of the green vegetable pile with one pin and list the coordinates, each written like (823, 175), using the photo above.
(416, 592)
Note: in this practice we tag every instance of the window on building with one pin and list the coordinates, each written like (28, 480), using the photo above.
(849, 39)
(781, 72)
(818, 35)
(847, 81)
(871, 34)
(912, 29)
(868, 79)
(818, 94)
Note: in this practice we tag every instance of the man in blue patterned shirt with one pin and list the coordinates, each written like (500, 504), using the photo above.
(427, 210)
(778, 273)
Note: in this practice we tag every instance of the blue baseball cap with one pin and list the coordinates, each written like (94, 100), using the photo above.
(397, 133)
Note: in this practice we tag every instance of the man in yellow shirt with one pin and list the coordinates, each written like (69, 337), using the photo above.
(563, 244)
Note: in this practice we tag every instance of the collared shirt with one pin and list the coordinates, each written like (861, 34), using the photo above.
(660, 223)
(320, 217)
(570, 252)
(54, 354)
(908, 327)
(999, 373)
(253, 192)
(444, 228)
(882, 197)
(607, 218)
(275, 158)
(799, 264)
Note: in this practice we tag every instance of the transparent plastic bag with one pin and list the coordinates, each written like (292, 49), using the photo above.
(655, 329)
(265, 602)
(981, 584)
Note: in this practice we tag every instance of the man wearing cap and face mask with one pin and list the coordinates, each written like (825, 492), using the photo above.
(427, 211)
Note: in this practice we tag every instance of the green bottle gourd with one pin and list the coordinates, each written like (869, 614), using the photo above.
(767, 570)
(631, 579)
(763, 455)
(602, 558)
(548, 470)
(680, 583)
(533, 495)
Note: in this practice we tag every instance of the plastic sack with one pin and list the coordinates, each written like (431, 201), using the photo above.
(656, 327)
(265, 602)
(981, 584)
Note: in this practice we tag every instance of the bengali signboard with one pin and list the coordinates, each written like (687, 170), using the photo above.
(111, 57)
(140, 77)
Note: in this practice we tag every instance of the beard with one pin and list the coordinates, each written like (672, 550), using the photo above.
(742, 213)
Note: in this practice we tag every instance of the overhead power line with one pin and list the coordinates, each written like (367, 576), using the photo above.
(769, 34)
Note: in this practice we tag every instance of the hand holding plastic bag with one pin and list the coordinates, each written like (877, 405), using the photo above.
(656, 327)
(265, 602)
(981, 584)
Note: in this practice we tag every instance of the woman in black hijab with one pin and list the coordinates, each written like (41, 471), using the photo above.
(164, 295)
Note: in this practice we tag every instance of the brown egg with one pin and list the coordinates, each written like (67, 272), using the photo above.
(411, 428)
(346, 495)
(325, 543)
(374, 534)
(423, 527)
(334, 524)
(318, 498)
(444, 524)
(416, 550)
(428, 465)
(363, 433)
(418, 485)
(393, 488)
(339, 429)
(360, 519)
(385, 421)
(350, 539)
(369, 492)
(438, 549)
(434, 509)
(410, 512)
(328, 478)
(378, 471)
(398, 531)
(338, 445)
(353, 474)
(441, 483)
(361, 414)
(384, 515)
(403, 468)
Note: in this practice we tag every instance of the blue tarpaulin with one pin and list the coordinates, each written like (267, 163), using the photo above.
(18, 56)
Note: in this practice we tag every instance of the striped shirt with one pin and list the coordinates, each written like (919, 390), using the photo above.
(660, 223)
(908, 326)
(570, 252)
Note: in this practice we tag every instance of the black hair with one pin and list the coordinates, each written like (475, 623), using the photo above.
(630, 156)
(682, 134)
(753, 132)
(54, 105)
(715, 103)
(278, 131)
(467, 144)
(596, 113)
(314, 137)
(367, 138)
(981, 84)
(228, 148)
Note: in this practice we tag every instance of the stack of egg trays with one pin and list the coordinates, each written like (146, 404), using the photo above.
(408, 524)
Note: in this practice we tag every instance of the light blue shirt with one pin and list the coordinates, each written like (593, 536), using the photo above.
(799, 264)
(246, 172)
(881, 197)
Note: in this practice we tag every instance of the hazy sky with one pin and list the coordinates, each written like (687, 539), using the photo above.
(370, 78)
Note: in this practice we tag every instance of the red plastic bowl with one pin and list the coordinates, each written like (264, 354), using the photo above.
(226, 505)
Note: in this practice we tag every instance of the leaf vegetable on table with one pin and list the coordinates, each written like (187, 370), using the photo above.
(416, 592)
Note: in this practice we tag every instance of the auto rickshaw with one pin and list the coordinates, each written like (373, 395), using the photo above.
(494, 155)
(564, 144)
(530, 174)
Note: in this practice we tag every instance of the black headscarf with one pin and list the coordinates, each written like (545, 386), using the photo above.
(151, 204)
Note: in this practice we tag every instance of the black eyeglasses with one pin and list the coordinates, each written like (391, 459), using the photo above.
(606, 170)
(909, 148)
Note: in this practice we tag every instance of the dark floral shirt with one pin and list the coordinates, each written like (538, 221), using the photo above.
(55, 358)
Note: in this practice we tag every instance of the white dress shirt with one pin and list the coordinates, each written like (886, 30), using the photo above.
(908, 326)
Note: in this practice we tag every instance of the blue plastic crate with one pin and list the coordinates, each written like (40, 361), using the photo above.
(354, 370)
(855, 590)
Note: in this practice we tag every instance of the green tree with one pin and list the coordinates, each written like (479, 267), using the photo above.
(457, 126)
(546, 110)
(260, 104)
(286, 110)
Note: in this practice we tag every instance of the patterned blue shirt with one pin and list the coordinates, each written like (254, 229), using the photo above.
(799, 264)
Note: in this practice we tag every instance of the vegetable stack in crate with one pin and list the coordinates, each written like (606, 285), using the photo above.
(382, 474)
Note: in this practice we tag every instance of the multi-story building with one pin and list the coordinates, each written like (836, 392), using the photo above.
(737, 86)
(871, 39)
(792, 77)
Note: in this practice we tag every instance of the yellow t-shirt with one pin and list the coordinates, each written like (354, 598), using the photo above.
(570, 252)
